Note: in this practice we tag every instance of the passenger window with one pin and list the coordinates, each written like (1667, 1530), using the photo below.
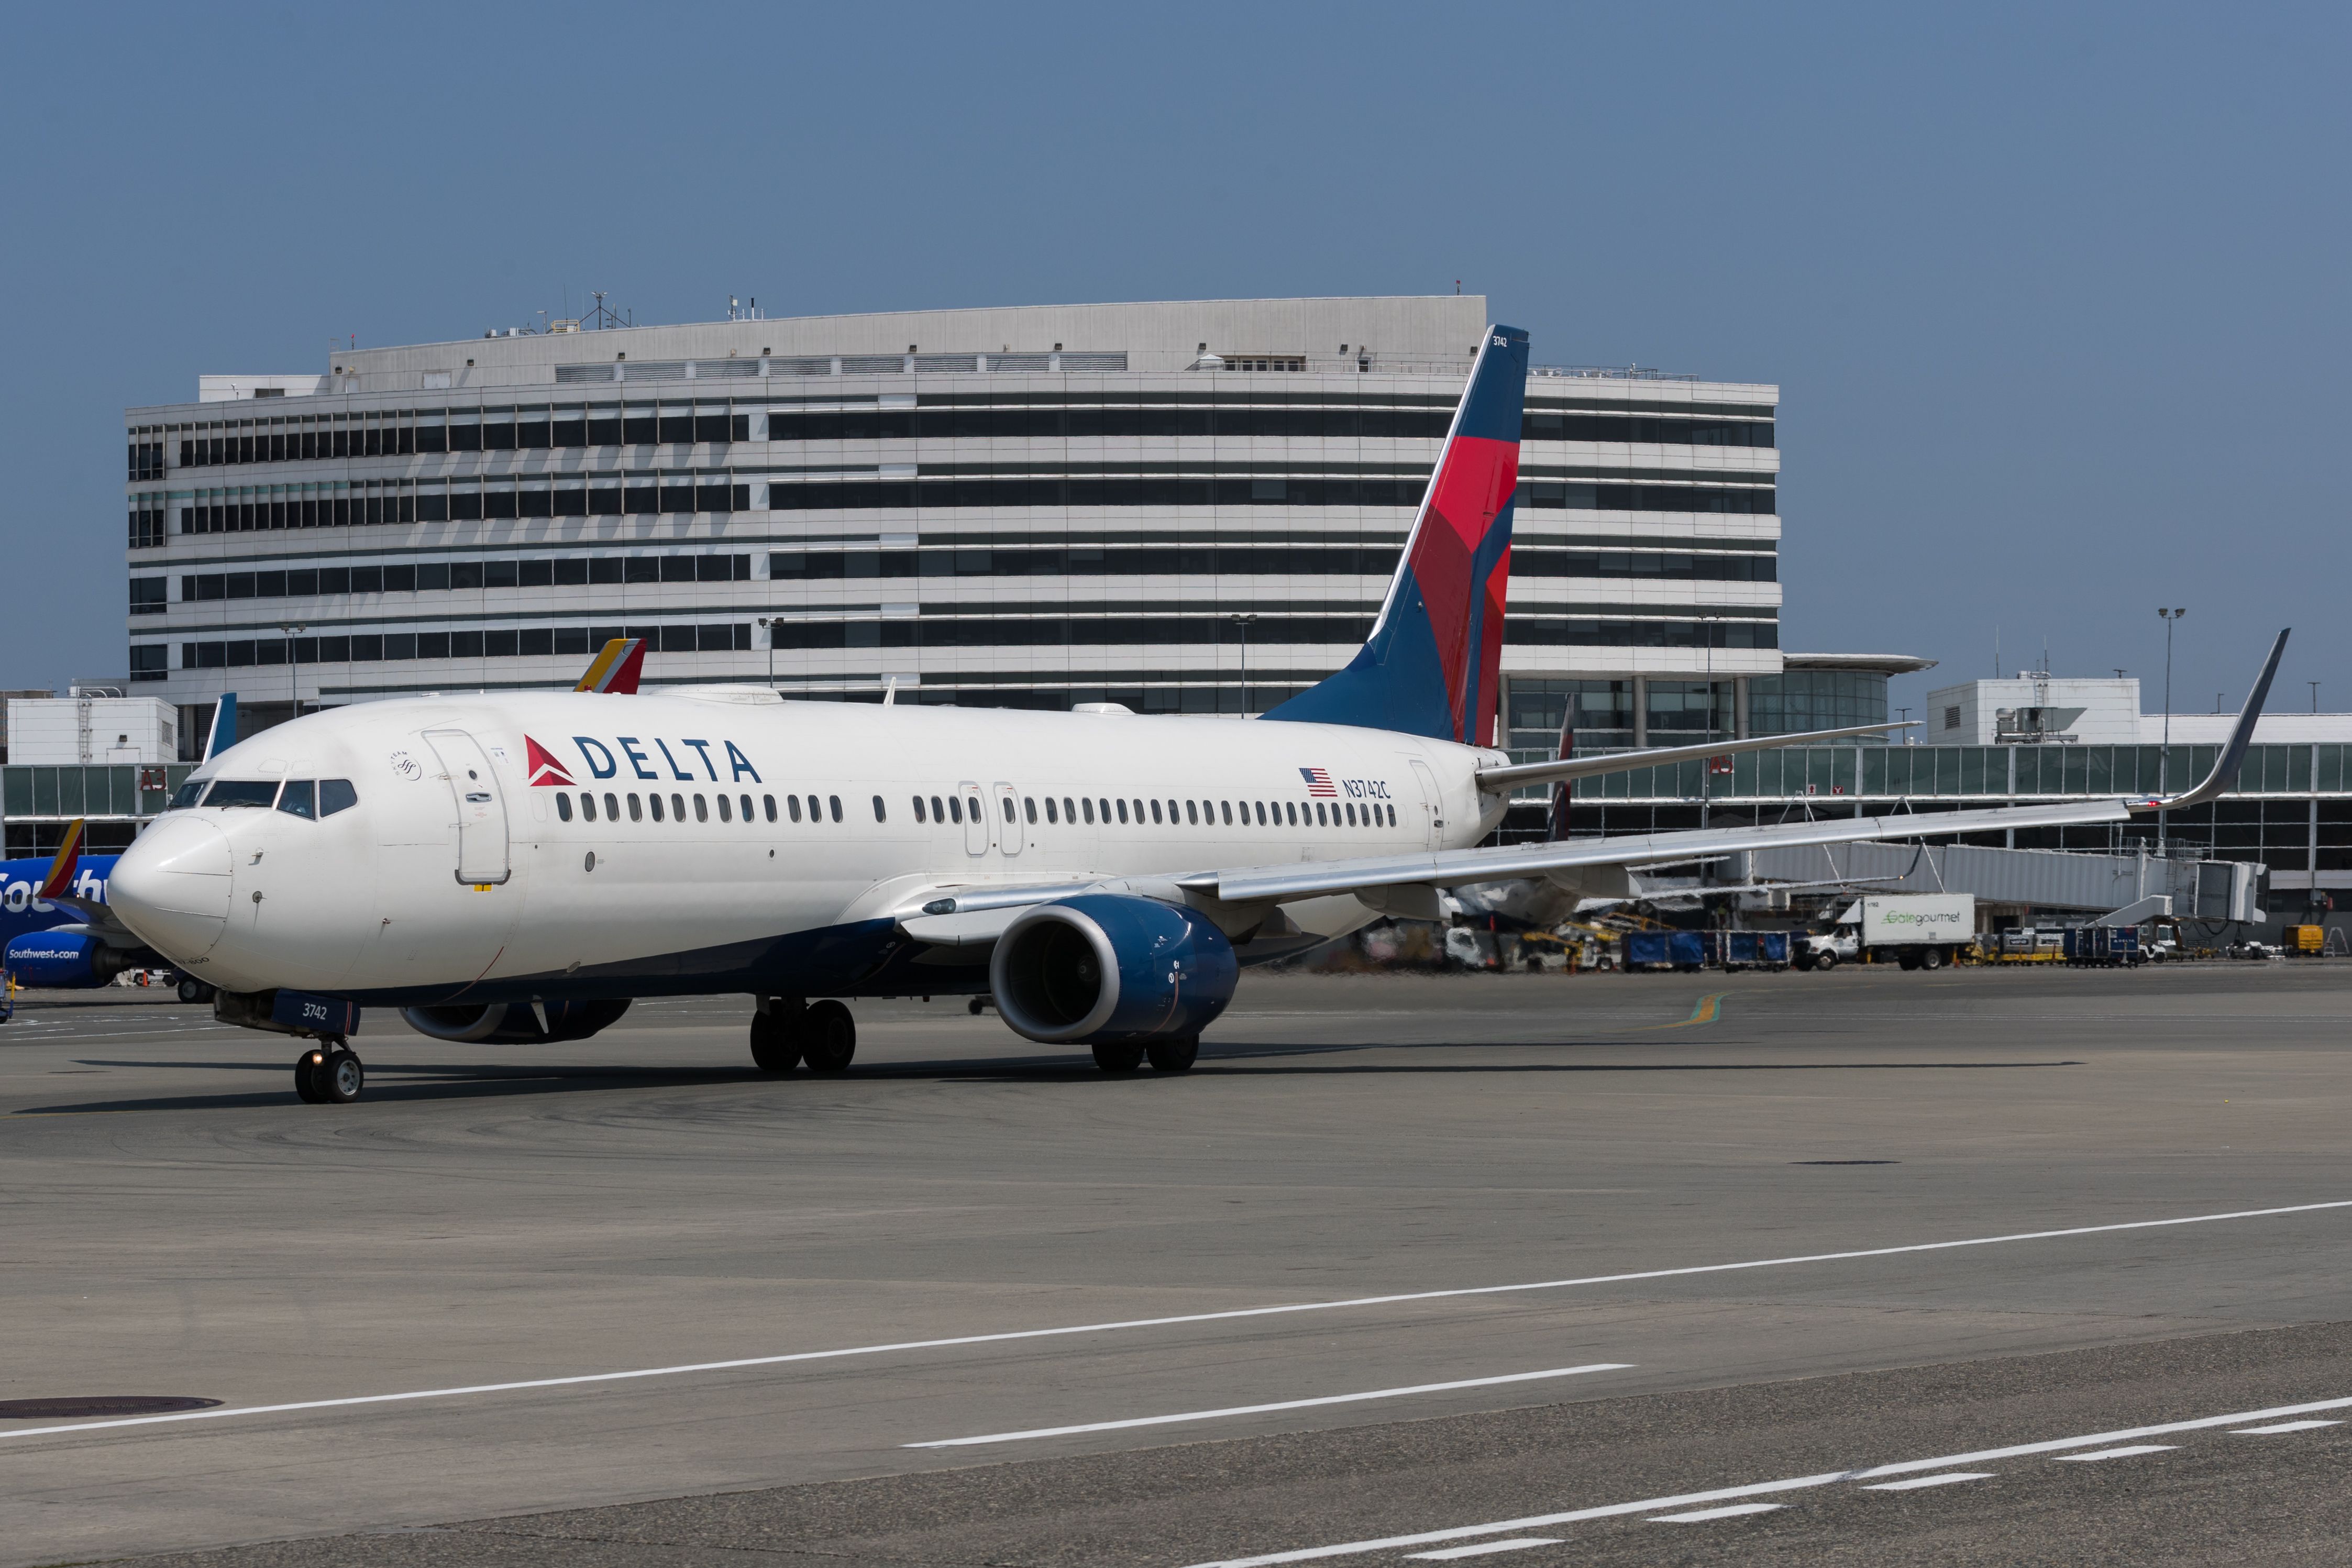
(879, 816)
(564, 805)
(1008, 808)
(1351, 816)
(612, 807)
(637, 812)
(1090, 813)
(701, 809)
(955, 808)
(767, 800)
(1069, 812)
(794, 802)
(816, 812)
(918, 808)
(1190, 814)
(1028, 803)
(1051, 815)
(657, 805)
(298, 798)
(587, 807)
(1290, 808)
(1155, 811)
(1391, 817)
(1226, 809)
(725, 814)
(1261, 813)
(836, 806)
(1105, 812)
(746, 801)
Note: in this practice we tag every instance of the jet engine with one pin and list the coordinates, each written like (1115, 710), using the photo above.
(66, 959)
(1108, 968)
(515, 1022)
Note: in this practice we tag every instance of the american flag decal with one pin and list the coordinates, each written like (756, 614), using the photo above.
(1317, 781)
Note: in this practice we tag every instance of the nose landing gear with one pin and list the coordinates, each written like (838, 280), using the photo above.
(329, 1074)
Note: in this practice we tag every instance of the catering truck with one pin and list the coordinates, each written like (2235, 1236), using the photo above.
(1918, 930)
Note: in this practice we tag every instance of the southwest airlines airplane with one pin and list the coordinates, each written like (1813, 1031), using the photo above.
(509, 869)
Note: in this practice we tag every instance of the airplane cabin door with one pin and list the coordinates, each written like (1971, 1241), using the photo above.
(1013, 834)
(1433, 804)
(975, 818)
(481, 807)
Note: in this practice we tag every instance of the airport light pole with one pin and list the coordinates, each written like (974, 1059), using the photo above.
(294, 658)
(2164, 755)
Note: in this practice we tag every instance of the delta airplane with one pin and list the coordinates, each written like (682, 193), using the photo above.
(517, 867)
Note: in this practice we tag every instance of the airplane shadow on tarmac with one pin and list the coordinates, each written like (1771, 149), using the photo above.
(412, 1081)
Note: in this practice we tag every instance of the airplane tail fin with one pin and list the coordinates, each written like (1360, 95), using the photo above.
(616, 668)
(60, 878)
(1433, 664)
(224, 731)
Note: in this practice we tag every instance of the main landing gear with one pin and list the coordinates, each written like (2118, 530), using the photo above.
(786, 1032)
(329, 1074)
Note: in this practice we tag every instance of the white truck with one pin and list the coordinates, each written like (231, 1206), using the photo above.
(1923, 931)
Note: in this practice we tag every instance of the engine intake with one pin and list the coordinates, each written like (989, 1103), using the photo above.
(514, 1022)
(1106, 968)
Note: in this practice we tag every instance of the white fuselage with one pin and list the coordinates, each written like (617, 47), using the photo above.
(458, 869)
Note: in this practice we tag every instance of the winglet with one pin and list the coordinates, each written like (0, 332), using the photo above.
(2225, 769)
(61, 870)
(224, 731)
(615, 668)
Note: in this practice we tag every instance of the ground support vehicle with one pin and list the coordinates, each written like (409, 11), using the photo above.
(2102, 947)
(1747, 948)
(1917, 931)
(1681, 950)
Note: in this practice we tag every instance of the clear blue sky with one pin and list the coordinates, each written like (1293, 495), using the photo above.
(2056, 297)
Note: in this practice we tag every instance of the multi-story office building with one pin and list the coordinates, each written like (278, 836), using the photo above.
(1186, 507)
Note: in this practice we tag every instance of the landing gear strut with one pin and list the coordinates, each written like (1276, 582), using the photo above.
(329, 1074)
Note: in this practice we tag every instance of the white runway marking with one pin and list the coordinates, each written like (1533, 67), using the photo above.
(2116, 1453)
(1230, 1315)
(1519, 1543)
(1916, 1483)
(1700, 1516)
(1767, 1489)
(2284, 1426)
(1286, 1405)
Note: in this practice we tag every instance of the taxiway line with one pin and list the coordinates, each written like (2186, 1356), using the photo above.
(1012, 1336)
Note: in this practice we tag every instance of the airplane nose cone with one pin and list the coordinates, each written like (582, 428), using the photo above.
(173, 885)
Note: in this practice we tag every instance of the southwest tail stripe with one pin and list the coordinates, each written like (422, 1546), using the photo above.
(61, 870)
(615, 668)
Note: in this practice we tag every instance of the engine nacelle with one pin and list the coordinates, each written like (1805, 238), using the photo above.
(514, 1022)
(65, 959)
(1108, 968)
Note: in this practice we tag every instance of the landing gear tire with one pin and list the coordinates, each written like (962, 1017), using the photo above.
(775, 1040)
(828, 1038)
(305, 1080)
(340, 1078)
(1118, 1058)
(1173, 1056)
(193, 990)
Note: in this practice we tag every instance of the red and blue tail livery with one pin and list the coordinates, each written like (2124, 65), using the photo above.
(1433, 665)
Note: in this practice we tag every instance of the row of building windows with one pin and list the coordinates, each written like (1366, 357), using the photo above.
(433, 576)
(939, 632)
(1251, 560)
(310, 439)
(259, 509)
(527, 642)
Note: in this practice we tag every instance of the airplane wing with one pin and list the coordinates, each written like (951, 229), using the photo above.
(1522, 773)
(1458, 867)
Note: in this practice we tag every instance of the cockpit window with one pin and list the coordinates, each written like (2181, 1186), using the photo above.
(298, 798)
(336, 794)
(243, 792)
(188, 794)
